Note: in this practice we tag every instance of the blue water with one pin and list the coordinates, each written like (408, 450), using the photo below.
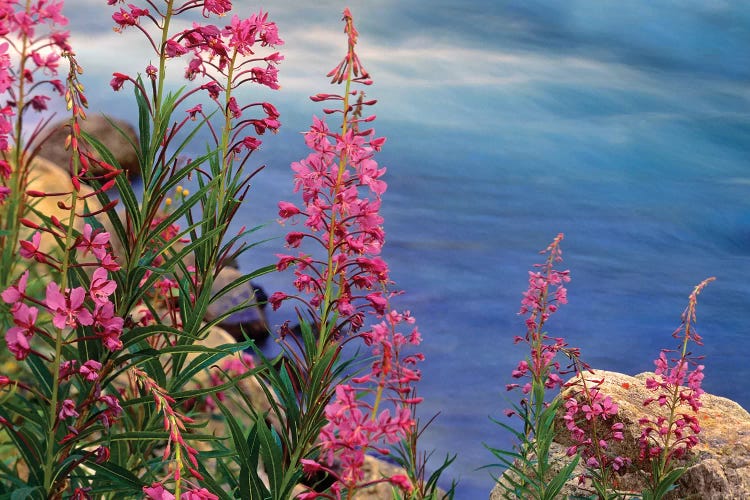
(507, 124)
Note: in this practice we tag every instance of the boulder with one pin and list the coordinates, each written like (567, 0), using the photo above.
(251, 320)
(717, 468)
(249, 387)
(375, 469)
(53, 148)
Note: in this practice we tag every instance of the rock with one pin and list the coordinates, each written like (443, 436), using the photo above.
(374, 469)
(250, 387)
(250, 320)
(98, 126)
(718, 467)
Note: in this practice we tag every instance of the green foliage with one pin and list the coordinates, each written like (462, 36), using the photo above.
(529, 470)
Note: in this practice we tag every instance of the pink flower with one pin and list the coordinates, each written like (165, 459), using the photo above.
(118, 80)
(109, 263)
(49, 62)
(213, 88)
(251, 143)
(234, 108)
(108, 326)
(218, 7)
(68, 311)
(112, 409)
(67, 409)
(401, 481)
(310, 466)
(93, 241)
(287, 209)
(195, 110)
(124, 19)
(157, 492)
(268, 77)
(15, 293)
(67, 369)
(276, 299)
(90, 370)
(101, 287)
(30, 249)
(198, 494)
(17, 337)
(174, 49)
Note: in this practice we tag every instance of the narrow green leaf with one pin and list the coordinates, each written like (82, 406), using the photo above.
(240, 444)
(270, 451)
(117, 474)
(27, 493)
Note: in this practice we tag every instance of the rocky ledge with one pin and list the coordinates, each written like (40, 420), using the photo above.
(718, 468)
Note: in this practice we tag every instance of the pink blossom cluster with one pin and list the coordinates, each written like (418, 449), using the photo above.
(341, 187)
(590, 419)
(343, 279)
(673, 432)
(89, 306)
(545, 292)
(356, 425)
(229, 52)
(341, 219)
(28, 64)
(70, 308)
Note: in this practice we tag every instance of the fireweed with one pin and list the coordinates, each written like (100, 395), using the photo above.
(105, 325)
(530, 470)
(590, 418)
(588, 415)
(336, 417)
(102, 325)
(32, 43)
(669, 436)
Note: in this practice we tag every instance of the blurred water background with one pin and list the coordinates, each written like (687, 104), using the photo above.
(625, 125)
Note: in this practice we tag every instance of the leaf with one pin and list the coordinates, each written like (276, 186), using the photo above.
(210, 356)
(270, 452)
(558, 481)
(27, 493)
(42, 374)
(144, 132)
(243, 452)
(29, 448)
(117, 474)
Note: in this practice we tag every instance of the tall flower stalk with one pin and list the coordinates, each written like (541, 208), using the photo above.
(343, 285)
(669, 435)
(530, 464)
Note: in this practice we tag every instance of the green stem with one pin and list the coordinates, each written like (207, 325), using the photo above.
(59, 339)
(162, 62)
(675, 401)
(328, 292)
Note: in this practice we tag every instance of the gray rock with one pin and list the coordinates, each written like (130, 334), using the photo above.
(251, 320)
